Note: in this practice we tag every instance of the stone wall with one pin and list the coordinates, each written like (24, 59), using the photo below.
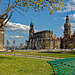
(1, 39)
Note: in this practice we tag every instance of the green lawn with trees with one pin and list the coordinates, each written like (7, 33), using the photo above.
(12, 65)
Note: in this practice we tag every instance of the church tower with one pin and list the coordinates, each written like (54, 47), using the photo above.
(31, 31)
(67, 27)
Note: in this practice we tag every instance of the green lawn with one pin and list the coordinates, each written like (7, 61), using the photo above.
(44, 54)
(12, 65)
(73, 52)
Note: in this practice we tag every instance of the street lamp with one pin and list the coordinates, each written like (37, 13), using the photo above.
(49, 38)
(14, 44)
(7, 44)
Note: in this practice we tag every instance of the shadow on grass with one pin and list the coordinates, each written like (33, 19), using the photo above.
(73, 52)
(9, 58)
(50, 52)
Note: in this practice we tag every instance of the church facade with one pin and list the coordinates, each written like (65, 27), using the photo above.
(42, 39)
(46, 39)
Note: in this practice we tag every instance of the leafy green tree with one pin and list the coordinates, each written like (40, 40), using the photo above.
(24, 5)
(70, 46)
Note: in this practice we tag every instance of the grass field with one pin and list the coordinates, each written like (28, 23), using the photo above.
(12, 65)
(71, 52)
(45, 54)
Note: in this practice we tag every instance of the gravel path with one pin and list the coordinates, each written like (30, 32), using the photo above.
(34, 56)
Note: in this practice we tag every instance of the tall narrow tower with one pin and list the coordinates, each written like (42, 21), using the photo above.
(67, 27)
(31, 31)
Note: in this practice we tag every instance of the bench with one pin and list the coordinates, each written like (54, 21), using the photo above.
(63, 66)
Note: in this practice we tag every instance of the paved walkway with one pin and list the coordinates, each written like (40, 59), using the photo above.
(34, 56)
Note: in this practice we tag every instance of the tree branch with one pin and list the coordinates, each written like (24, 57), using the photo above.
(9, 4)
(7, 20)
(5, 17)
(9, 9)
(18, 12)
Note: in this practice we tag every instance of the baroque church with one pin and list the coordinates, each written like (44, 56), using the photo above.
(42, 39)
(46, 39)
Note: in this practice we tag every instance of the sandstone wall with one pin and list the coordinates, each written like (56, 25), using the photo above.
(1, 39)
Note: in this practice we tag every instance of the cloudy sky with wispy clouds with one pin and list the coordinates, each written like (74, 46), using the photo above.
(18, 27)
(18, 32)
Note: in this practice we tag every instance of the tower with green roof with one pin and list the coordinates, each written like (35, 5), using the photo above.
(31, 31)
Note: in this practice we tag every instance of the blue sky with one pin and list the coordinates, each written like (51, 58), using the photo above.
(19, 25)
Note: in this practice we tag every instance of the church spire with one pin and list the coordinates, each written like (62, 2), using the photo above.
(67, 12)
(67, 18)
(31, 21)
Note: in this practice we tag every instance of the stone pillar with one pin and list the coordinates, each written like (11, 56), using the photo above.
(2, 39)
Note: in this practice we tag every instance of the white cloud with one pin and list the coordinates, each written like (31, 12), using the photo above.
(72, 1)
(71, 17)
(60, 11)
(64, 18)
(18, 28)
(62, 27)
(5, 35)
(16, 36)
(55, 18)
(36, 30)
(73, 24)
(69, 5)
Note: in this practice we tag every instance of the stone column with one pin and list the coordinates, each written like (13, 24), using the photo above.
(2, 39)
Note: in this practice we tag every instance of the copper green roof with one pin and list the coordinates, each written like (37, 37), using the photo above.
(31, 21)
